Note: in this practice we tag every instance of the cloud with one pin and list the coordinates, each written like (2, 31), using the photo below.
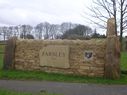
(14, 12)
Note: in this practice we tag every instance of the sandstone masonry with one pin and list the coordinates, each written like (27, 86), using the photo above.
(27, 56)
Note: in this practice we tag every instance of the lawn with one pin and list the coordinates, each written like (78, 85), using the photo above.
(10, 92)
(1, 61)
(124, 61)
(38, 75)
(1, 55)
(2, 48)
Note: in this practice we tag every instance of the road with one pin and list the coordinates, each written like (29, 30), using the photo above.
(63, 88)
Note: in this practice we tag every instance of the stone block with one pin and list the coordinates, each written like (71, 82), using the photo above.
(55, 56)
(85, 67)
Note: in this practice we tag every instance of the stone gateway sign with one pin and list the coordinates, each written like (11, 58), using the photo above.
(77, 57)
(93, 58)
(55, 56)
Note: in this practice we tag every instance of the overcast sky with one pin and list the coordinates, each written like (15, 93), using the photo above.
(15, 12)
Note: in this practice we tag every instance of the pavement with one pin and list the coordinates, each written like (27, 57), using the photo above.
(63, 88)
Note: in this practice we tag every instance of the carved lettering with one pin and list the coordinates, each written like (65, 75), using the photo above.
(55, 56)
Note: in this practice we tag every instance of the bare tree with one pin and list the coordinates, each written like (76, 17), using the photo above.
(3, 32)
(39, 31)
(66, 26)
(46, 30)
(54, 31)
(10, 32)
(43, 30)
(26, 29)
(104, 9)
(123, 17)
(16, 31)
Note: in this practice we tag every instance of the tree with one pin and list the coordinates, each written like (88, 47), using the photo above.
(97, 35)
(66, 26)
(29, 36)
(79, 32)
(4, 31)
(39, 31)
(53, 31)
(16, 31)
(46, 30)
(10, 32)
(123, 17)
(13, 31)
(104, 9)
(26, 29)
(43, 30)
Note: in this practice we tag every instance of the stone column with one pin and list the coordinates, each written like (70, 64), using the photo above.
(9, 54)
(112, 66)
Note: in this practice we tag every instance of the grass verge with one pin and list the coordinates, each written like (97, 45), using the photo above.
(37, 75)
(10, 92)
(123, 61)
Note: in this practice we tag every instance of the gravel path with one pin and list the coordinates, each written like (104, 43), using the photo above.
(64, 88)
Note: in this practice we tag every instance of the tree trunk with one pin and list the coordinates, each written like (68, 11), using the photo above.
(121, 25)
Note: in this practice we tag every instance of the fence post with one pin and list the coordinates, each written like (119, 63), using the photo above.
(9, 54)
(112, 66)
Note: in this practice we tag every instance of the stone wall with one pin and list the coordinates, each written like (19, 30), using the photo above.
(96, 57)
(27, 56)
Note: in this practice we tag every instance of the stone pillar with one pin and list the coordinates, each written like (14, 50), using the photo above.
(112, 66)
(9, 54)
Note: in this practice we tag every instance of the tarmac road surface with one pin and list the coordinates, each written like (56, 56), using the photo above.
(63, 88)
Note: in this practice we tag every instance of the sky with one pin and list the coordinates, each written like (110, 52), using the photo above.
(33, 12)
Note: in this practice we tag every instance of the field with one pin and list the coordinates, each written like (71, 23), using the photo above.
(38, 75)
